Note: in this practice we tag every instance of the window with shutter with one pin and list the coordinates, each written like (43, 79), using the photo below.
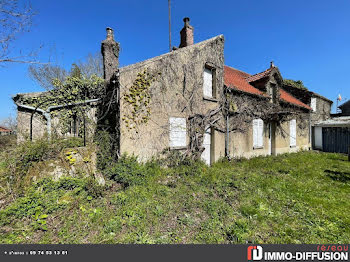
(178, 134)
(261, 133)
(258, 133)
(313, 104)
(208, 83)
(293, 133)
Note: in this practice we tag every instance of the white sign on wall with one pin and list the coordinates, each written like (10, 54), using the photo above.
(178, 134)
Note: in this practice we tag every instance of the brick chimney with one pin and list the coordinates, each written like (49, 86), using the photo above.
(110, 53)
(186, 34)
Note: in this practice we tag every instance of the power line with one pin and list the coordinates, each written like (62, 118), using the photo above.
(169, 7)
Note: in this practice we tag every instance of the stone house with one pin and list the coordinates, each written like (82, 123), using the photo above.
(321, 106)
(188, 100)
(321, 110)
(283, 125)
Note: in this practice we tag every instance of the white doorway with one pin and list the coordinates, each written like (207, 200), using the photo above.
(272, 139)
(206, 155)
(318, 137)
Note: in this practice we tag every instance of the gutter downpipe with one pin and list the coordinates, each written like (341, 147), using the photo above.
(47, 114)
(44, 113)
(227, 135)
(227, 138)
(310, 132)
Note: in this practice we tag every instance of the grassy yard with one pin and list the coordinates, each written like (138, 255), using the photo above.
(295, 198)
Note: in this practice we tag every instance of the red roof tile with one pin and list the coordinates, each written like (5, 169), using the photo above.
(239, 80)
(259, 76)
(286, 97)
(4, 129)
(236, 79)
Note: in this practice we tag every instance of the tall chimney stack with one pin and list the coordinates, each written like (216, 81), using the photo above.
(186, 34)
(108, 118)
(110, 53)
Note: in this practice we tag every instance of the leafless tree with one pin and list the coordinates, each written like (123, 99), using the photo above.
(43, 74)
(10, 122)
(15, 19)
(91, 65)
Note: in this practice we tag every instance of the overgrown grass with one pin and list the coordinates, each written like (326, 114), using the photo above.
(294, 198)
(7, 142)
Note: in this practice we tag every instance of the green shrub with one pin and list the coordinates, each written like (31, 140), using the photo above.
(104, 153)
(128, 171)
(174, 158)
(18, 159)
(68, 143)
(7, 142)
(44, 197)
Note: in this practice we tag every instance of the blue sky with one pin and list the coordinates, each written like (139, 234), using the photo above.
(308, 40)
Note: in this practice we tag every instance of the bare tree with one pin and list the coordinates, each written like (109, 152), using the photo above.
(44, 74)
(91, 65)
(10, 122)
(15, 18)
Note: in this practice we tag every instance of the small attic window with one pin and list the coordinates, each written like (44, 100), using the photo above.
(209, 90)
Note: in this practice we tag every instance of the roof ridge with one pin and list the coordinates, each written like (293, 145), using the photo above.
(156, 58)
(238, 70)
(270, 68)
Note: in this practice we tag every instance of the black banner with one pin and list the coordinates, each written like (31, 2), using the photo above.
(253, 252)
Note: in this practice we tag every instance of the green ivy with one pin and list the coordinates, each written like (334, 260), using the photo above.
(138, 97)
(297, 84)
(74, 89)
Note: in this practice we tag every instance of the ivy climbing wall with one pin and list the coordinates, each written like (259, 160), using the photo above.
(167, 86)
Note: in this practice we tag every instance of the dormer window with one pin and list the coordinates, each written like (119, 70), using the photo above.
(209, 90)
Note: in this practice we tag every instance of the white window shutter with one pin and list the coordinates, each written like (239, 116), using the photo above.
(313, 103)
(255, 132)
(261, 133)
(178, 134)
(258, 133)
(207, 83)
(293, 132)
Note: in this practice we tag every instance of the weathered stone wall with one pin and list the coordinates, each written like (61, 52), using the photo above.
(39, 125)
(89, 111)
(23, 125)
(177, 91)
(323, 106)
(283, 137)
(323, 111)
(241, 143)
(249, 107)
